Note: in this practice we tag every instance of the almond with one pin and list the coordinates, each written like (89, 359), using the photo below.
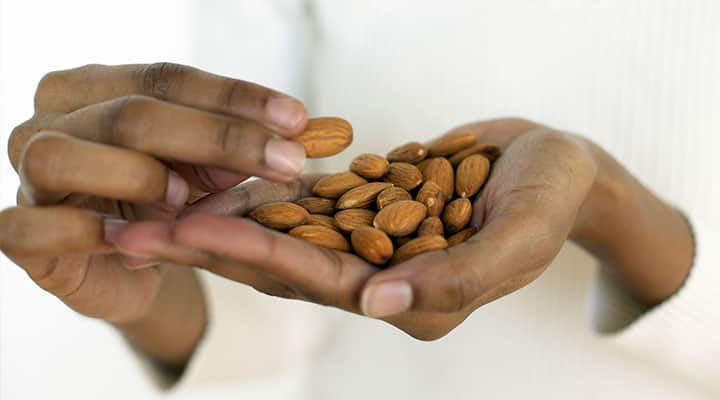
(391, 195)
(451, 143)
(422, 164)
(457, 214)
(417, 246)
(372, 244)
(471, 175)
(321, 236)
(404, 175)
(412, 152)
(431, 226)
(490, 151)
(433, 198)
(280, 215)
(440, 171)
(351, 219)
(400, 218)
(361, 196)
(322, 220)
(333, 186)
(399, 241)
(317, 205)
(370, 166)
(325, 136)
(461, 236)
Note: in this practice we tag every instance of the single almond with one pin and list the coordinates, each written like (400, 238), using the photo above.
(433, 198)
(461, 236)
(422, 164)
(335, 185)
(325, 136)
(280, 215)
(361, 196)
(451, 143)
(431, 226)
(317, 205)
(400, 218)
(440, 171)
(457, 214)
(370, 166)
(391, 195)
(471, 175)
(404, 175)
(422, 244)
(490, 151)
(372, 244)
(321, 236)
(412, 152)
(322, 220)
(353, 218)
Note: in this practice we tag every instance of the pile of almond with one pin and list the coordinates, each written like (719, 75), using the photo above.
(387, 209)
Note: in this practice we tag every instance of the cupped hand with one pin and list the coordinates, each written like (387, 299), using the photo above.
(525, 213)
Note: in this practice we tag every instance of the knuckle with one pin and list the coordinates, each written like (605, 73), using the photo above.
(49, 85)
(39, 157)
(8, 235)
(124, 119)
(19, 136)
(158, 79)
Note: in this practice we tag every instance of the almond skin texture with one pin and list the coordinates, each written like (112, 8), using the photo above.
(451, 143)
(457, 214)
(322, 220)
(412, 152)
(490, 151)
(461, 236)
(354, 218)
(471, 175)
(400, 218)
(361, 196)
(391, 195)
(321, 236)
(325, 136)
(370, 166)
(317, 205)
(417, 246)
(433, 198)
(404, 175)
(280, 215)
(440, 171)
(334, 186)
(431, 226)
(372, 244)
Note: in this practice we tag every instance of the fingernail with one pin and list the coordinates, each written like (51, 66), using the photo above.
(285, 156)
(177, 190)
(112, 227)
(285, 111)
(387, 298)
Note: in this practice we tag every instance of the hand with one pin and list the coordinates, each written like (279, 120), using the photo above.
(547, 187)
(134, 142)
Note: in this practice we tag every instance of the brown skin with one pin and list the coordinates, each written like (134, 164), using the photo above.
(133, 142)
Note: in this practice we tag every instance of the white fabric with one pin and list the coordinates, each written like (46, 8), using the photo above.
(638, 77)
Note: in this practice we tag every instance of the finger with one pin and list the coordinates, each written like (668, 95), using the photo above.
(322, 275)
(203, 180)
(55, 164)
(70, 90)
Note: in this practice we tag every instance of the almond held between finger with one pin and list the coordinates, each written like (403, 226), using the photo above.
(400, 218)
(353, 218)
(372, 244)
(317, 205)
(431, 226)
(457, 215)
(391, 195)
(422, 244)
(451, 143)
(412, 152)
(321, 236)
(361, 196)
(404, 175)
(440, 171)
(325, 136)
(461, 236)
(370, 166)
(471, 175)
(334, 186)
(322, 220)
(433, 198)
(490, 151)
(280, 215)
